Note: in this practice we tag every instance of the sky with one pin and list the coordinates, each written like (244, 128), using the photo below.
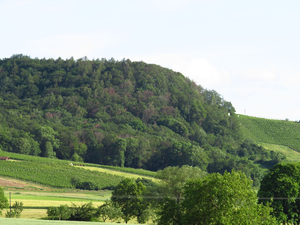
(247, 51)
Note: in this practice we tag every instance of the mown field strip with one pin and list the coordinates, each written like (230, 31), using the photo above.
(38, 199)
(33, 213)
(48, 203)
(119, 173)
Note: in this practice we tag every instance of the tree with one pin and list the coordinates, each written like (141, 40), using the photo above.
(172, 188)
(109, 211)
(223, 199)
(62, 212)
(17, 209)
(174, 178)
(3, 201)
(85, 212)
(281, 189)
(47, 139)
(128, 195)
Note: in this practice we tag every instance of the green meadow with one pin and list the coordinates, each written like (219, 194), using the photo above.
(277, 132)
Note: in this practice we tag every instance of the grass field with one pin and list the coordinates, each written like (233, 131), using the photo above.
(119, 173)
(278, 132)
(8, 221)
(291, 155)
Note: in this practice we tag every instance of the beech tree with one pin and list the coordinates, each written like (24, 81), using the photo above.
(217, 200)
(223, 199)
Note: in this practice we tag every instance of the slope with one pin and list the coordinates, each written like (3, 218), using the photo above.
(276, 135)
(60, 174)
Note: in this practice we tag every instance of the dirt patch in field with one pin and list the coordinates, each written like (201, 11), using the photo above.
(8, 183)
(18, 184)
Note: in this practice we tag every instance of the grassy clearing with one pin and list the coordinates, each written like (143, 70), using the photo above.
(119, 173)
(291, 155)
(278, 132)
(126, 169)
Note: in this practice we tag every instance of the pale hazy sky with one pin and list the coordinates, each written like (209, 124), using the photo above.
(248, 51)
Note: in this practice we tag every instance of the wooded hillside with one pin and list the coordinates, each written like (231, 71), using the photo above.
(120, 113)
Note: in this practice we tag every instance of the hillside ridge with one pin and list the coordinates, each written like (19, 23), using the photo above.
(120, 113)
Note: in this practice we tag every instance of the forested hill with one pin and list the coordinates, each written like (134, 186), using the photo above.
(119, 113)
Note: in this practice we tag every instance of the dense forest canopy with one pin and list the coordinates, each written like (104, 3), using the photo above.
(120, 113)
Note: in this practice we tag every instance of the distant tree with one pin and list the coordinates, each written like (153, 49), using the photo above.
(85, 212)
(62, 212)
(75, 157)
(47, 138)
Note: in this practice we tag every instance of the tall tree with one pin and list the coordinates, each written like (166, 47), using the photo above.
(223, 199)
(128, 195)
(281, 189)
(47, 138)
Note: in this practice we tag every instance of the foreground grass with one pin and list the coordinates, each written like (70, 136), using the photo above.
(8, 221)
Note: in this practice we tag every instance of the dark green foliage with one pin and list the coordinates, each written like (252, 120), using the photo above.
(128, 196)
(117, 113)
(280, 188)
(85, 212)
(216, 199)
(223, 199)
(86, 185)
(3, 201)
(62, 212)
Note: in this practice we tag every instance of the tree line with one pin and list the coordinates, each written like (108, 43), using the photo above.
(185, 195)
(189, 195)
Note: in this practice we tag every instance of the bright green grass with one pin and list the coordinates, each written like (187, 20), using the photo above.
(119, 173)
(8, 221)
(291, 155)
(278, 132)
(50, 198)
